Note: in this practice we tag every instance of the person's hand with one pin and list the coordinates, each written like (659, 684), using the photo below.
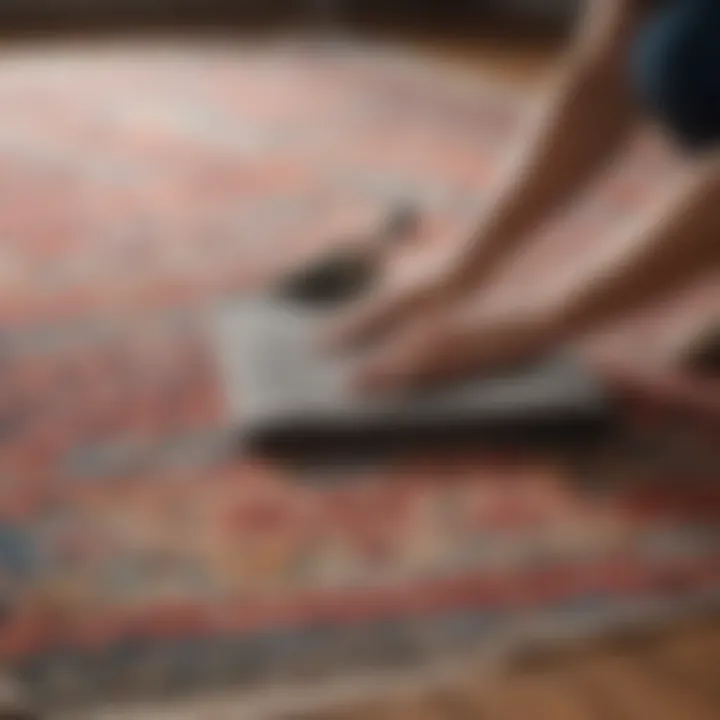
(457, 342)
(408, 294)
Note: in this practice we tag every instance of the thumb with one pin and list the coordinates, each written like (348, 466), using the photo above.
(415, 359)
(372, 319)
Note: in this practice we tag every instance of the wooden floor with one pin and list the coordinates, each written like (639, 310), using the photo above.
(522, 63)
(672, 676)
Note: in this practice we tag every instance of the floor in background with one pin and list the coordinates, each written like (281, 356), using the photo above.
(142, 556)
(667, 676)
(523, 62)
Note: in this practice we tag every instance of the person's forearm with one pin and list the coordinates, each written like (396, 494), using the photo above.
(678, 238)
(587, 116)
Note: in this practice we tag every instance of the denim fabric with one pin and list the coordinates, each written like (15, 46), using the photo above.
(676, 69)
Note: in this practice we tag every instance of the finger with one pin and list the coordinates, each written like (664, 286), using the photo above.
(456, 348)
(420, 359)
(408, 293)
(394, 369)
(370, 321)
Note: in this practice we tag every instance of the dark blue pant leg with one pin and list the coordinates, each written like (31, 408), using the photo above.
(676, 70)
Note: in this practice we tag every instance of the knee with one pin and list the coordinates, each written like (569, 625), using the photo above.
(675, 69)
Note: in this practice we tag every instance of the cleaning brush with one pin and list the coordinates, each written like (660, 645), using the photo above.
(348, 271)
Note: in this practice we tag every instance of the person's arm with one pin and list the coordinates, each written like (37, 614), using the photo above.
(675, 239)
(588, 114)
(585, 118)
(678, 237)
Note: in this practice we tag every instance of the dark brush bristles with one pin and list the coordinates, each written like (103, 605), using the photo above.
(402, 223)
(350, 269)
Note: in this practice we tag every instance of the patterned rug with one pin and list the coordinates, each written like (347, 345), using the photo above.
(141, 555)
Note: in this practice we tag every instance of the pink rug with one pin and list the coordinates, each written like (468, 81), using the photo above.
(141, 556)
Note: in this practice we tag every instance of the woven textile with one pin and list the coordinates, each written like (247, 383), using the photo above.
(140, 554)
